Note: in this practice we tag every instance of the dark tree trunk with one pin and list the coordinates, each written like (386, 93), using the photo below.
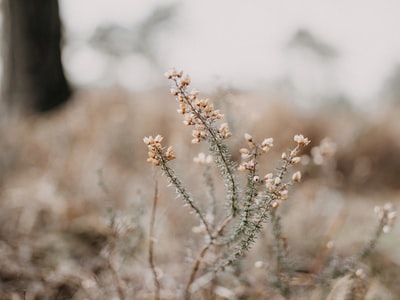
(33, 77)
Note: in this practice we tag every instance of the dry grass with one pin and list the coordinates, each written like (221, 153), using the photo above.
(76, 197)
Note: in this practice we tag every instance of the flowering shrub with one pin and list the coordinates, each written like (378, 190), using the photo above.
(230, 235)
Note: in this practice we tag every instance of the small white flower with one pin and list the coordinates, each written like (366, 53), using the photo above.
(330, 244)
(268, 142)
(360, 273)
(186, 80)
(169, 74)
(248, 137)
(268, 176)
(296, 177)
(203, 159)
(392, 215)
(301, 140)
(275, 204)
(174, 92)
(241, 168)
(158, 138)
(295, 160)
(277, 181)
(147, 140)
(386, 228)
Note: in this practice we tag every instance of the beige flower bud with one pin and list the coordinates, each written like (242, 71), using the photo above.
(296, 177)
(301, 140)
(241, 168)
(295, 160)
(248, 137)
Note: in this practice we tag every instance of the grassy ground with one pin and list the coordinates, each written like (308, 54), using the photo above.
(76, 196)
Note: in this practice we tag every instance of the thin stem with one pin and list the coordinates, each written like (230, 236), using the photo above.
(370, 246)
(114, 272)
(221, 227)
(195, 268)
(247, 239)
(151, 244)
(279, 252)
(227, 171)
(202, 253)
(251, 193)
(211, 195)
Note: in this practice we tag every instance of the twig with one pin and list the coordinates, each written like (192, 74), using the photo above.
(281, 267)
(114, 272)
(219, 150)
(202, 253)
(195, 268)
(151, 244)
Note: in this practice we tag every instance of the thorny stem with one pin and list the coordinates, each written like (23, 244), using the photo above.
(370, 246)
(277, 233)
(279, 252)
(231, 179)
(181, 190)
(251, 193)
(286, 163)
(220, 152)
(211, 195)
(238, 252)
(372, 243)
(256, 225)
(151, 244)
(352, 262)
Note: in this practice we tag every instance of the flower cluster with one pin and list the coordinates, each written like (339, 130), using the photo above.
(250, 154)
(274, 184)
(301, 140)
(276, 187)
(198, 112)
(387, 216)
(156, 150)
(249, 204)
(203, 159)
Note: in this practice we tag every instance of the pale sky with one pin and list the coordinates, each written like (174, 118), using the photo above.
(242, 42)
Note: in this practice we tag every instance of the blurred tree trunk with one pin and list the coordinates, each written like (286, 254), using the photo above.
(33, 76)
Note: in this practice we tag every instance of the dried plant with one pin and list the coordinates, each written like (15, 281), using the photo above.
(249, 206)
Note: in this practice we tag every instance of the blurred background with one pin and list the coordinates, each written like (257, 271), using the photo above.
(82, 82)
(312, 52)
(334, 49)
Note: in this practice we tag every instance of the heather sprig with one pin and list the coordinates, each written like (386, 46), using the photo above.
(252, 205)
(263, 197)
(200, 113)
(159, 156)
(386, 219)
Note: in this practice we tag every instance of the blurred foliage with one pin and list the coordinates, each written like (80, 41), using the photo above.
(118, 41)
(304, 39)
(59, 239)
(391, 87)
